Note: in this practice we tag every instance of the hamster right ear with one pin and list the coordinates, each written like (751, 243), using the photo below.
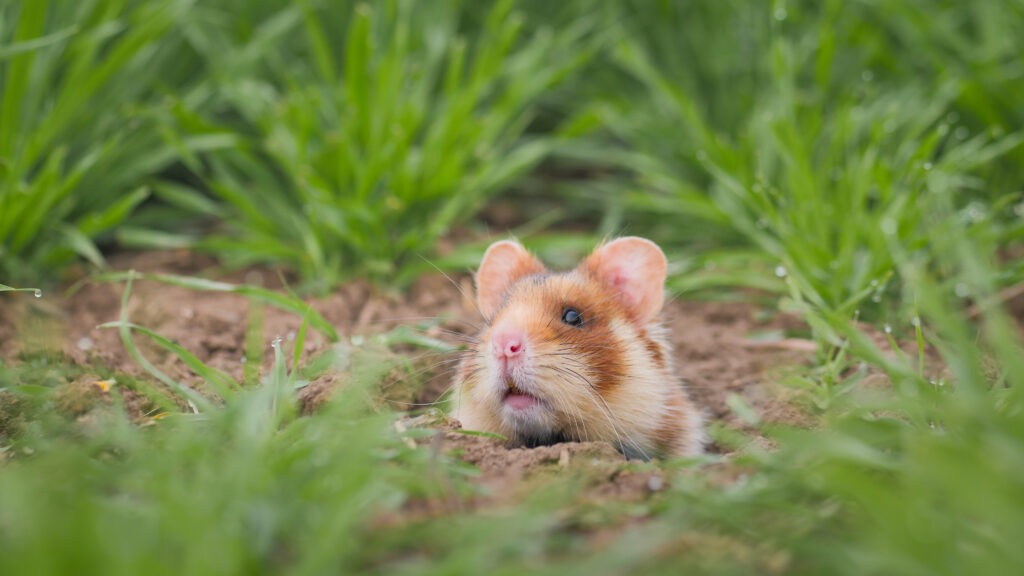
(504, 263)
(635, 267)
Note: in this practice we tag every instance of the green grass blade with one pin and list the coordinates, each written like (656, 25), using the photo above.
(284, 302)
(17, 48)
(221, 383)
(196, 401)
(82, 245)
(5, 288)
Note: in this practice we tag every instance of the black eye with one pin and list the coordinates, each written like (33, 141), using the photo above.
(572, 317)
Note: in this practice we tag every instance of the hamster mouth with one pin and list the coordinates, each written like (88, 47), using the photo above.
(517, 399)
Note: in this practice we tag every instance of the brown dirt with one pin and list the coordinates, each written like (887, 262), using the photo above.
(714, 349)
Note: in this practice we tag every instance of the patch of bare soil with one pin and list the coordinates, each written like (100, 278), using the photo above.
(715, 351)
(717, 355)
(597, 471)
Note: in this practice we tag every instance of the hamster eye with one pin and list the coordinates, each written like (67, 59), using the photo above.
(572, 317)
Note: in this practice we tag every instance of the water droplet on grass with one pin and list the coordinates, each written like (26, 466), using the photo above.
(961, 133)
(37, 293)
(867, 75)
(888, 329)
(276, 343)
(927, 166)
(915, 321)
(781, 14)
(961, 290)
(780, 271)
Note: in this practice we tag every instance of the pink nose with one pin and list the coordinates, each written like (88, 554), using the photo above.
(508, 343)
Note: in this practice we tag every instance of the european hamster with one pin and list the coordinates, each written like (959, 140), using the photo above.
(578, 355)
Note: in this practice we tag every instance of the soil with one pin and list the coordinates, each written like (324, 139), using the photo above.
(721, 349)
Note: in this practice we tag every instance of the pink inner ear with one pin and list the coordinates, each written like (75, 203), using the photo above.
(503, 264)
(635, 268)
(620, 280)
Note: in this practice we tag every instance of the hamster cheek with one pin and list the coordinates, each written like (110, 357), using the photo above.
(475, 413)
(476, 402)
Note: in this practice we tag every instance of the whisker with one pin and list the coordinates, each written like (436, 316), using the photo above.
(606, 410)
(455, 284)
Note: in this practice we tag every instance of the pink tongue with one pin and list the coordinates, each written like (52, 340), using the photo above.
(520, 401)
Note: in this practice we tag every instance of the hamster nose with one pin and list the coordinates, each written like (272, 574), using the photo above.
(508, 343)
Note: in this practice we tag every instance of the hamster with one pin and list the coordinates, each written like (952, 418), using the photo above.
(578, 355)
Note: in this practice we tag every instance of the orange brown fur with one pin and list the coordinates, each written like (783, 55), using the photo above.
(655, 349)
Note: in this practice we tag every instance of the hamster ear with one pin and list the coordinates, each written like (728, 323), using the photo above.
(504, 263)
(635, 268)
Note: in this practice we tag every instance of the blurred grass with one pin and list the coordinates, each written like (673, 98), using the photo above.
(80, 124)
(804, 131)
(384, 127)
(851, 159)
(245, 488)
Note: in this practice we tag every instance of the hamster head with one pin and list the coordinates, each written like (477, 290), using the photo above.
(576, 355)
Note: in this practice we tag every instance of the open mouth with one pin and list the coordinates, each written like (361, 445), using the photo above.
(517, 399)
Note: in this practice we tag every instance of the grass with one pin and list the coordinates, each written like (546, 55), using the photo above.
(792, 144)
(888, 480)
(360, 158)
(160, 482)
(851, 162)
(80, 125)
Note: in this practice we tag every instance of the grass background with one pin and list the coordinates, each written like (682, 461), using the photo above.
(853, 160)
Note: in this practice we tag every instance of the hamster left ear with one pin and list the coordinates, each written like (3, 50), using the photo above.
(635, 267)
(504, 263)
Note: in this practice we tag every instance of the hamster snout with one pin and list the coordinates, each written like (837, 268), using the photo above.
(577, 355)
(507, 343)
